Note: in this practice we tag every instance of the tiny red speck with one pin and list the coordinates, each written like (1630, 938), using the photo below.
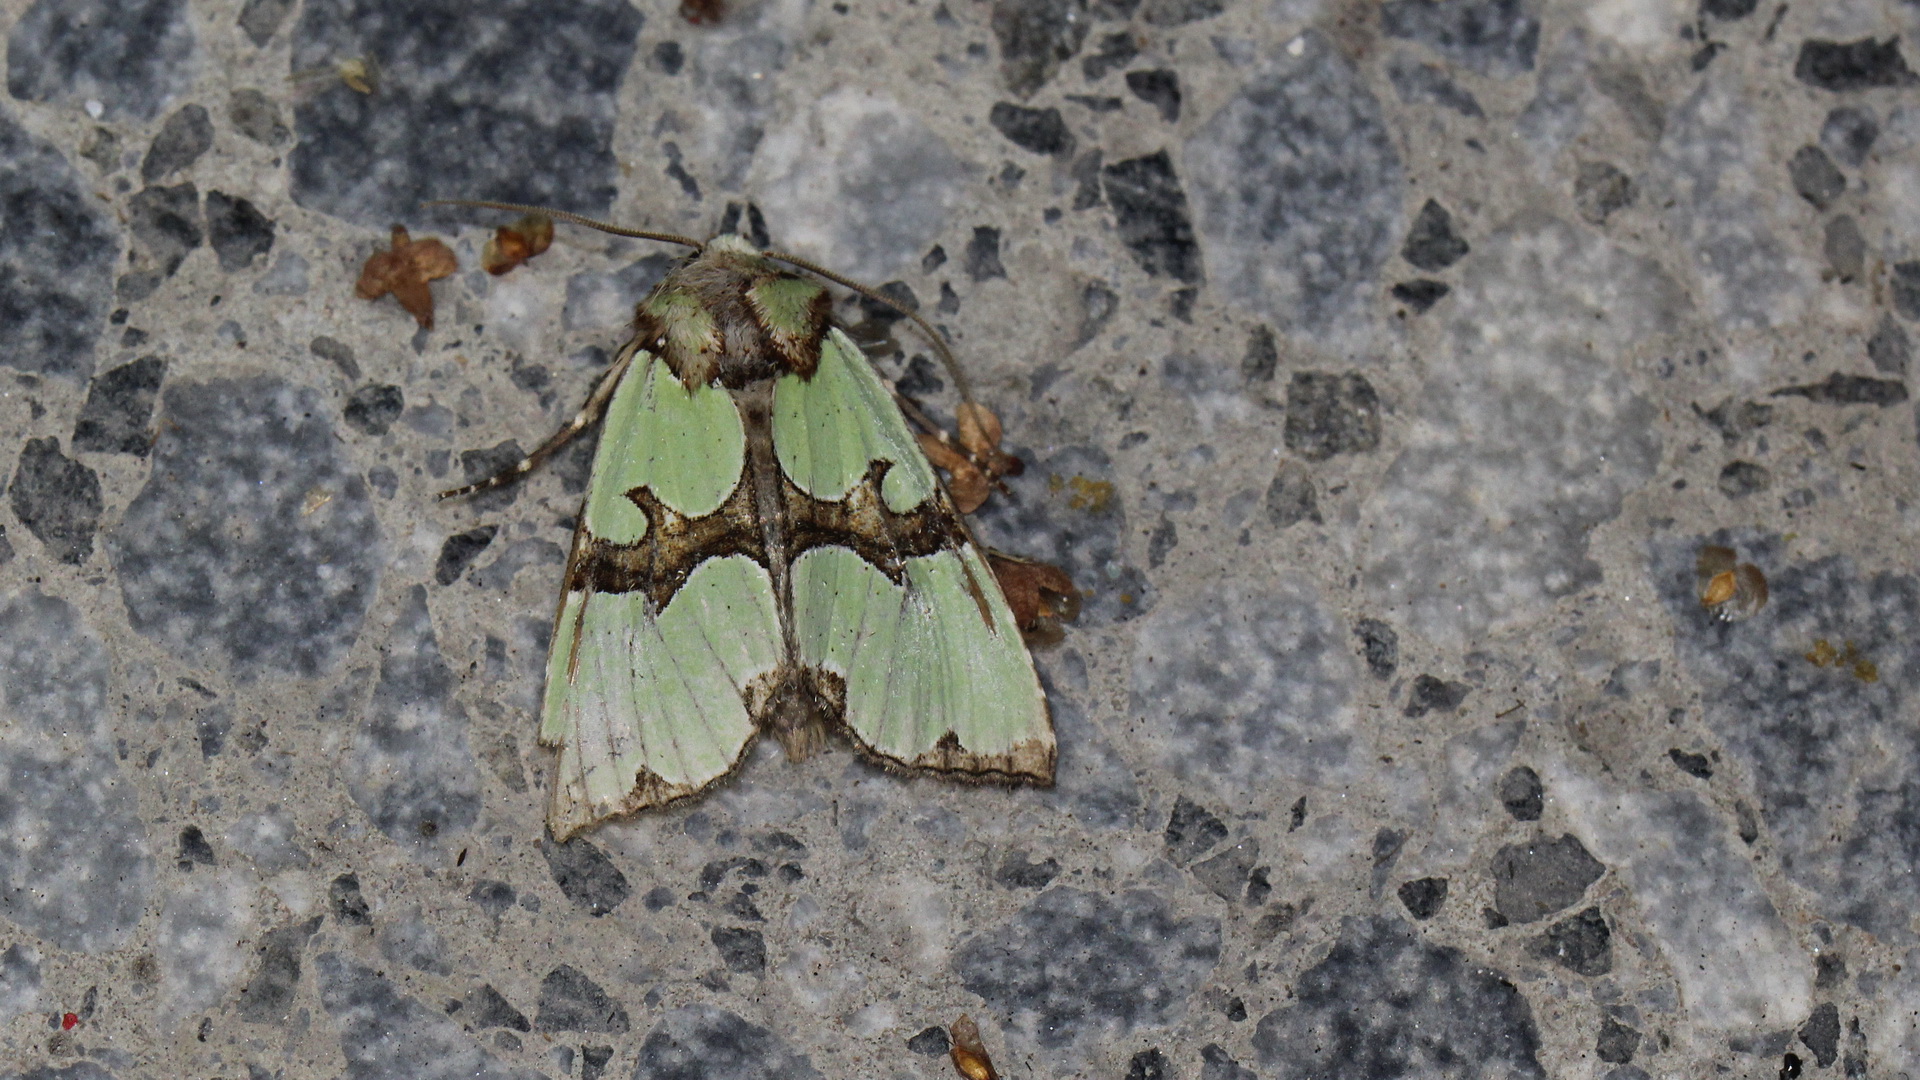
(69, 1021)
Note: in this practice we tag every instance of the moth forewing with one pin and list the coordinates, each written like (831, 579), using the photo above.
(765, 547)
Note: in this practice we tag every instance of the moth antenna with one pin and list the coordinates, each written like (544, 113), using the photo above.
(960, 384)
(572, 219)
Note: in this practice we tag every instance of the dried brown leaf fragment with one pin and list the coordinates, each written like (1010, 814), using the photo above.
(1039, 593)
(404, 270)
(1731, 589)
(516, 243)
(968, 1053)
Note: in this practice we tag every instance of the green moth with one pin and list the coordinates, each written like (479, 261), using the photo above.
(764, 547)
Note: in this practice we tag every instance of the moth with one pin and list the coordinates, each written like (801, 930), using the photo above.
(764, 547)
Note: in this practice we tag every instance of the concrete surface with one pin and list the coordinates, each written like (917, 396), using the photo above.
(1381, 369)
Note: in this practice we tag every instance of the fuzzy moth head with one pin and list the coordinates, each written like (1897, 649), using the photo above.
(731, 315)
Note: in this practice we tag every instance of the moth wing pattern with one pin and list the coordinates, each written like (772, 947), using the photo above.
(934, 672)
(648, 703)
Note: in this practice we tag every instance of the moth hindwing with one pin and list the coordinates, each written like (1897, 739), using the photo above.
(764, 547)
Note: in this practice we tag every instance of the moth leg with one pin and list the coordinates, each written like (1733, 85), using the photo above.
(588, 415)
(911, 409)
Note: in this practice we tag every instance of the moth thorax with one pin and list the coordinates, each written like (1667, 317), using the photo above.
(734, 319)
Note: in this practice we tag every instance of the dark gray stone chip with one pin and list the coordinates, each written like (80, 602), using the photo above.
(194, 849)
(58, 500)
(1192, 831)
(586, 875)
(1331, 413)
(1600, 189)
(186, 135)
(1843, 66)
(373, 408)
(743, 950)
(569, 1001)
(1149, 1064)
(1616, 1042)
(1532, 881)
(1521, 793)
(1038, 131)
(1890, 349)
(1017, 871)
(1179, 12)
(1292, 497)
(1420, 294)
(1150, 209)
(1112, 51)
(1821, 1033)
(1848, 133)
(268, 996)
(493, 897)
(930, 1042)
(255, 115)
(1739, 479)
(118, 415)
(983, 255)
(237, 231)
(1160, 88)
(1430, 694)
(1217, 1064)
(458, 551)
(1839, 389)
(1423, 897)
(1432, 244)
(1695, 765)
(1379, 646)
(261, 19)
(1036, 37)
(1845, 247)
(485, 1007)
(1582, 943)
(1816, 177)
(1904, 284)
(346, 901)
(1418, 83)
(166, 229)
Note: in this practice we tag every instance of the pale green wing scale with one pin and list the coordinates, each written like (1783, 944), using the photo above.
(935, 673)
(647, 706)
(685, 446)
(828, 430)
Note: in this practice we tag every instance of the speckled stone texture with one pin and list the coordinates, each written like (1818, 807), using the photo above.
(1381, 368)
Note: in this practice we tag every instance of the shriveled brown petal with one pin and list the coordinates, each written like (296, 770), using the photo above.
(965, 482)
(1713, 559)
(1036, 591)
(514, 244)
(404, 270)
(430, 259)
(414, 295)
(377, 275)
(968, 1053)
(979, 428)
